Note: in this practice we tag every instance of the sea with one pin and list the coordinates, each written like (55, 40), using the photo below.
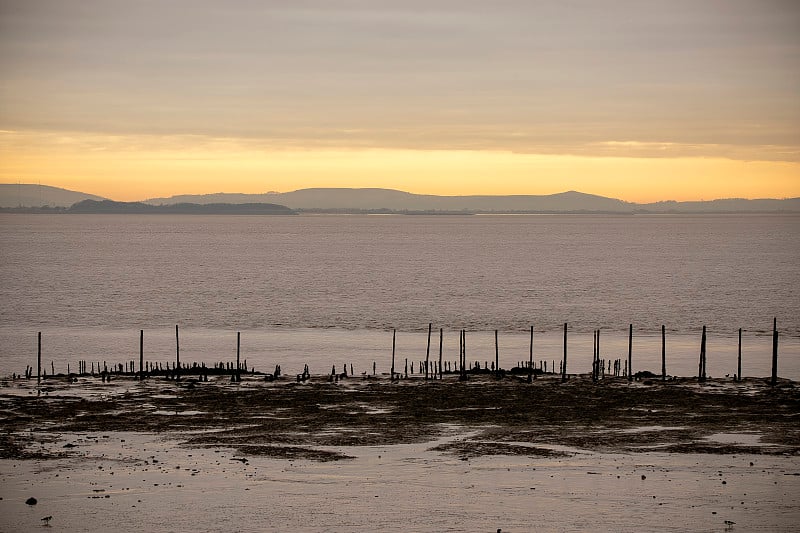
(332, 291)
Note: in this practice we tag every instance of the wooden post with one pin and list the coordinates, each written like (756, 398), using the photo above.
(462, 361)
(461, 354)
(774, 380)
(141, 355)
(598, 356)
(630, 352)
(739, 359)
(599, 364)
(663, 352)
(496, 356)
(702, 347)
(530, 359)
(701, 375)
(39, 360)
(177, 354)
(238, 350)
(428, 351)
(394, 335)
(441, 342)
(465, 354)
(705, 353)
(596, 359)
(564, 363)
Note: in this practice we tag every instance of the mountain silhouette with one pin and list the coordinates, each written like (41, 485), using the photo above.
(393, 200)
(389, 200)
(373, 199)
(27, 195)
(110, 207)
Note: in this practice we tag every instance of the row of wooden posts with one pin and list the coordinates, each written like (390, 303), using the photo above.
(598, 365)
(175, 370)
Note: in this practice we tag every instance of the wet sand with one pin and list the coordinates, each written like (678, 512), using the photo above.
(364, 454)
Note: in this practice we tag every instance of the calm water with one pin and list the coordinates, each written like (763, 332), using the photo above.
(329, 289)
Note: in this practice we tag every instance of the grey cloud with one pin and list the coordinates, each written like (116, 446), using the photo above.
(718, 72)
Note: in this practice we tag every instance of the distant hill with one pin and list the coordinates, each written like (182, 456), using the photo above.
(139, 208)
(729, 205)
(568, 202)
(27, 195)
(387, 200)
(392, 200)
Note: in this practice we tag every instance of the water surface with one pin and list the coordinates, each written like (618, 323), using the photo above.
(327, 289)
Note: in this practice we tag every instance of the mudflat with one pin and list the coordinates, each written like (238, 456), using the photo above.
(284, 418)
(395, 436)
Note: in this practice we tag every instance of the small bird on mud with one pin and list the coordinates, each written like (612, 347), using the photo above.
(46, 520)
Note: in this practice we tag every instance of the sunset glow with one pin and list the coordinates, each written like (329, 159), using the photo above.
(637, 102)
(129, 170)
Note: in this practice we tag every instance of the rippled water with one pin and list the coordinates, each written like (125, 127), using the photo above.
(329, 288)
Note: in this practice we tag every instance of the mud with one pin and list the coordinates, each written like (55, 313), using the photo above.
(298, 420)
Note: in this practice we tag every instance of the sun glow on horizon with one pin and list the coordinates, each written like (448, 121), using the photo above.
(129, 169)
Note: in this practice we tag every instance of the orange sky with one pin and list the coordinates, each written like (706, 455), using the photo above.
(130, 169)
(650, 101)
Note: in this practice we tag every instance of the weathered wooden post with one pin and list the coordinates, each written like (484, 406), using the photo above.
(394, 334)
(462, 363)
(739, 359)
(496, 356)
(238, 350)
(141, 355)
(663, 352)
(461, 354)
(564, 363)
(774, 379)
(601, 367)
(39, 359)
(701, 374)
(597, 368)
(630, 352)
(441, 343)
(428, 351)
(177, 355)
(596, 365)
(597, 355)
(530, 360)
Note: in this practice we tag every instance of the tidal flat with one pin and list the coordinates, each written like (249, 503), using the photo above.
(409, 455)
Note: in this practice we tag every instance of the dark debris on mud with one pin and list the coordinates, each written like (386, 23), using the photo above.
(469, 449)
(292, 452)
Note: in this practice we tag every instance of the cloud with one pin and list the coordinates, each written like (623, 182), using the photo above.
(706, 79)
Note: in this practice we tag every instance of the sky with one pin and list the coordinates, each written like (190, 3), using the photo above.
(641, 100)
